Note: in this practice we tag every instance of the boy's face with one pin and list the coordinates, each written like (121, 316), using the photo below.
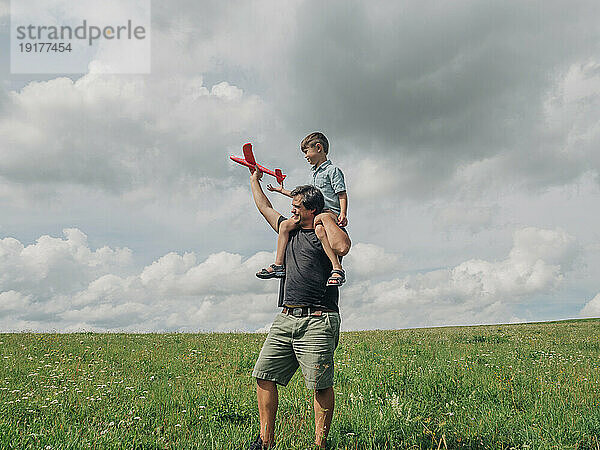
(313, 153)
(302, 216)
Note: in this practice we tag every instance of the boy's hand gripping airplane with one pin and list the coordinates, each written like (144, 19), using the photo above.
(249, 161)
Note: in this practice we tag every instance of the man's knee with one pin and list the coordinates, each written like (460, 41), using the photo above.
(287, 225)
(324, 217)
(266, 384)
(320, 232)
(324, 391)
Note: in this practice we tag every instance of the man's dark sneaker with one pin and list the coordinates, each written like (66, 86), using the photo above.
(258, 444)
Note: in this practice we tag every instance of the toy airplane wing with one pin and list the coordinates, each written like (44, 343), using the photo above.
(248, 155)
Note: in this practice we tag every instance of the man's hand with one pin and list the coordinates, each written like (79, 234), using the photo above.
(256, 174)
(277, 188)
(342, 220)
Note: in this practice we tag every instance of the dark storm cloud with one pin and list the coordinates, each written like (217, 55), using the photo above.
(445, 83)
(425, 88)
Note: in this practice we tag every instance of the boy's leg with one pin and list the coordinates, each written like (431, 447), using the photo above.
(329, 219)
(335, 234)
(282, 239)
(322, 235)
(284, 235)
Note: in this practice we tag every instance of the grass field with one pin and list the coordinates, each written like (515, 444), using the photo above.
(528, 386)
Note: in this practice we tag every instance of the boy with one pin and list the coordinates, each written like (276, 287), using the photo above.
(330, 180)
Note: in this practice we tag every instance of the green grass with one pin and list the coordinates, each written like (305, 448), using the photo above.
(528, 386)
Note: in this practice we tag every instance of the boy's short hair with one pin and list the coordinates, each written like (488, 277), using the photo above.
(312, 198)
(314, 138)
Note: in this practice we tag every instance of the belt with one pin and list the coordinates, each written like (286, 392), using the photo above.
(303, 311)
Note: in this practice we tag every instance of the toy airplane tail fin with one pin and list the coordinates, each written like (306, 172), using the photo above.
(280, 177)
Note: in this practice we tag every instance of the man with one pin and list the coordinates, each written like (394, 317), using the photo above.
(306, 332)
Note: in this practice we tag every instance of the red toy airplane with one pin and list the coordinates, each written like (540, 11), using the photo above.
(249, 161)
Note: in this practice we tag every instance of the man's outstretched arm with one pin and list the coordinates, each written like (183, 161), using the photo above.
(262, 202)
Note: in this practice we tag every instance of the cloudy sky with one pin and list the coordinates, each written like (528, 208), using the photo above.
(469, 133)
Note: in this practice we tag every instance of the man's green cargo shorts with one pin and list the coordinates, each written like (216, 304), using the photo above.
(306, 342)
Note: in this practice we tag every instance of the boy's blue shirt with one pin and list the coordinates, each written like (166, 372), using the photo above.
(330, 180)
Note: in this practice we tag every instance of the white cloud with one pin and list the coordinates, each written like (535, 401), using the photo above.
(368, 260)
(592, 308)
(62, 284)
(475, 291)
(122, 133)
(226, 91)
(572, 115)
(13, 301)
(370, 177)
(55, 264)
(178, 292)
(554, 247)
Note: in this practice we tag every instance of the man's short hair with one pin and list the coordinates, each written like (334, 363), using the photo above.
(314, 138)
(312, 198)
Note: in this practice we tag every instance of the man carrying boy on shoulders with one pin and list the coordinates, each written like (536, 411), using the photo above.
(306, 332)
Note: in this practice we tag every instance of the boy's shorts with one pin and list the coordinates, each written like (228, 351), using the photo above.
(305, 342)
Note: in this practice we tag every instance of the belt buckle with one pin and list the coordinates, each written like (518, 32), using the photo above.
(297, 312)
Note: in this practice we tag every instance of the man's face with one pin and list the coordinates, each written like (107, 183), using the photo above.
(300, 215)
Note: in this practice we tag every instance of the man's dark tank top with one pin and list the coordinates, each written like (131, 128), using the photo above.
(307, 269)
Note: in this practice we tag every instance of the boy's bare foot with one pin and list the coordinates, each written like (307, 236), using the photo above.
(273, 271)
(337, 278)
